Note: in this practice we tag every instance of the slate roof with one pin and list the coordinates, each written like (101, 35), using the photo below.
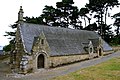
(62, 41)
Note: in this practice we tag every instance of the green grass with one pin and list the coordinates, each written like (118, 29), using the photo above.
(109, 70)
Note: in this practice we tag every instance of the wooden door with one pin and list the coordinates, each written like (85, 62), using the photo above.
(40, 62)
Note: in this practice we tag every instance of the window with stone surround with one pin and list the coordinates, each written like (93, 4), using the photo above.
(42, 41)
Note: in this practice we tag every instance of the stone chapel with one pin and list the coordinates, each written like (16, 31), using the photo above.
(41, 46)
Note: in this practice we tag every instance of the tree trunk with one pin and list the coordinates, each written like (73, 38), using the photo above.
(117, 31)
(106, 15)
(101, 23)
(85, 21)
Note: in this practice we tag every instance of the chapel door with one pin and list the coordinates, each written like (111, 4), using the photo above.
(100, 52)
(40, 62)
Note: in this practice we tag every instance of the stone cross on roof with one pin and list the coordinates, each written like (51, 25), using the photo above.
(20, 14)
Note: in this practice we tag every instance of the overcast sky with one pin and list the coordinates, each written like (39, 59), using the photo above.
(9, 12)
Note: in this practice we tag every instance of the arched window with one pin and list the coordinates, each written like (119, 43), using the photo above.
(42, 41)
(91, 50)
(100, 52)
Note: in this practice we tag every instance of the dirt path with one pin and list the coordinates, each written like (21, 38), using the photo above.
(50, 73)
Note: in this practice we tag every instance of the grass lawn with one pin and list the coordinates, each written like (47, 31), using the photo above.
(109, 70)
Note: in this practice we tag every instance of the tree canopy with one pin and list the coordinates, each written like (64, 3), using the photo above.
(69, 16)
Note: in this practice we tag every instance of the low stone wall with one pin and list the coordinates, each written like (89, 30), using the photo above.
(60, 60)
(108, 52)
(116, 48)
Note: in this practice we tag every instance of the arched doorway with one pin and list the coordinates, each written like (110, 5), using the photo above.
(40, 61)
(100, 52)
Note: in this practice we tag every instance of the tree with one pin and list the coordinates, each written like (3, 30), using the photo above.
(91, 27)
(11, 36)
(65, 8)
(74, 17)
(37, 20)
(64, 15)
(10, 46)
(107, 33)
(82, 13)
(117, 23)
(116, 39)
(101, 7)
(49, 15)
(68, 14)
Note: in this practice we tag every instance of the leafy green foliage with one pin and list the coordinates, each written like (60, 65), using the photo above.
(117, 23)
(107, 33)
(64, 7)
(83, 12)
(69, 14)
(10, 33)
(101, 7)
(48, 15)
(99, 10)
(7, 48)
(92, 27)
(37, 20)
(116, 39)
(11, 36)
(64, 15)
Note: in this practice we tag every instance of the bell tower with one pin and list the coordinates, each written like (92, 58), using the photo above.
(20, 14)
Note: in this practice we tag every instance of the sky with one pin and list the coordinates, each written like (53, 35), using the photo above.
(9, 12)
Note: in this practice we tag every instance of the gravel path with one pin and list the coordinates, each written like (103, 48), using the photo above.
(50, 73)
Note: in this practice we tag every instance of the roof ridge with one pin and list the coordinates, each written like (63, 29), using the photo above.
(55, 27)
